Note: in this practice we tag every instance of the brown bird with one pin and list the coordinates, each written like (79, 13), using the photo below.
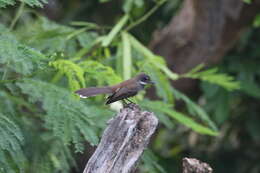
(121, 91)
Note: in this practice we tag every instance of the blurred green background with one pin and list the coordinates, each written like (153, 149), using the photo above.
(49, 49)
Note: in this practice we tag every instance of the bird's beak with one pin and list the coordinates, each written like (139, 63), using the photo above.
(152, 82)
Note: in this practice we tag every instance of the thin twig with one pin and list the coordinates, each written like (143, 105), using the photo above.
(147, 15)
(17, 15)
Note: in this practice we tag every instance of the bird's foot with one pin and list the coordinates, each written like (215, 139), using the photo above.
(128, 105)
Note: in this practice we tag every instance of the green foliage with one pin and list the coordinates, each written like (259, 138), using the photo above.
(10, 145)
(101, 73)
(37, 3)
(67, 117)
(194, 109)
(158, 106)
(43, 62)
(108, 39)
(257, 21)
(212, 76)
(150, 163)
(18, 57)
(73, 72)
(247, 1)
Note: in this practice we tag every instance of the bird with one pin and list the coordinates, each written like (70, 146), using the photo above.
(121, 91)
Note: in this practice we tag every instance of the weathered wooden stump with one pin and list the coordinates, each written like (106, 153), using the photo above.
(123, 141)
(191, 165)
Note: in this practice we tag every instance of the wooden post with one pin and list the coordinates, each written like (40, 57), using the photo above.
(123, 141)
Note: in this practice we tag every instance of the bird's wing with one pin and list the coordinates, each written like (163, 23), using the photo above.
(121, 93)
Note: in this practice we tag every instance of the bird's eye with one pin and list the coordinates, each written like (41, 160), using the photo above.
(145, 78)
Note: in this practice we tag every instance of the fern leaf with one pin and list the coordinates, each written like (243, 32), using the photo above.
(11, 141)
(74, 73)
(150, 163)
(214, 77)
(194, 109)
(18, 57)
(65, 115)
(162, 84)
(32, 3)
(37, 3)
(155, 107)
(96, 70)
(180, 117)
(4, 3)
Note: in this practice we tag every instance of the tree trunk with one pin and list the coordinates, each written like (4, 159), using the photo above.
(202, 32)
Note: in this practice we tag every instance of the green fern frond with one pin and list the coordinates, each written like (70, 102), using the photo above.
(11, 141)
(150, 57)
(74, 73)
(214, 77)
(66, 116)
(101, 73)
(150, 163)
(18, 57)
(32, 3)
(48, 36)
(4, 3)
(195, 109)
(162, 107)
(162, 84)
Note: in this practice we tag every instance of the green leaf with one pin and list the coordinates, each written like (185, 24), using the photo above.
(194, 109)
(157, 61)
(257, 21)
(162, 84)
(18, 57)
(32, 3)
(4, 3)
(65, 116)
(11, 142)
(247, 1)
(103, 1)
(251, 88)
(37, 3)
(127, 6)
(159, 106)
(127, 59)
(74, 73)
(108, 39)
(214, 77)
(155, 107)
(150, 163)
(181, 118)
(102, 74)
(48, 36)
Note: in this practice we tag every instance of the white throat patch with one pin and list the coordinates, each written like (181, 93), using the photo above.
(142, 83)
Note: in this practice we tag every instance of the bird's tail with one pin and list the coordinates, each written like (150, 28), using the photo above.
(92, 91)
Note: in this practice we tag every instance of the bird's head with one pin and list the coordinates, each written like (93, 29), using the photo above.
(144, 79)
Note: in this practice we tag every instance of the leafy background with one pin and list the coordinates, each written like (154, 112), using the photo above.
(45, 57)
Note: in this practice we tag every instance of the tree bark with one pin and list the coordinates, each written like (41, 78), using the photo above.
(123, 142)
(190, 165)
(202, 32)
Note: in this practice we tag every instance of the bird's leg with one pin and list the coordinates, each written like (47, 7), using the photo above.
(129, 100)
(124, 103)
(130, 104)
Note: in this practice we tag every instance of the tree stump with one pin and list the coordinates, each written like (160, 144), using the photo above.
(191, 165)
(123, 141)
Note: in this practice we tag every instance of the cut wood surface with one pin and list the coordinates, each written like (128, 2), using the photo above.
(123, 141)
